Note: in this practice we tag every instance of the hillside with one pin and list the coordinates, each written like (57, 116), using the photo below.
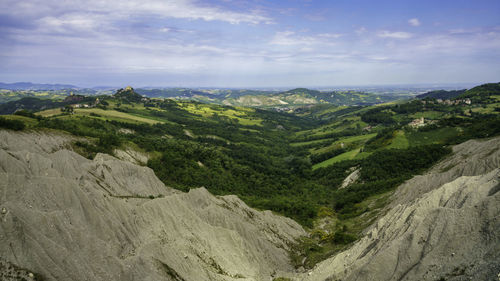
(288, 163)
(14, 95)
(34, 103)
(303, 96)
(214, 95)
(54, 95)
(106, 219)
(441, 94)
(29, 103)
(330, 168)
(231, 97)
(136, 228)
(478, 94)
(482, 92)
(442, 225)
(127, 94)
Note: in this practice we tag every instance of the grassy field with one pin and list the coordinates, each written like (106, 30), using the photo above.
(488, 109)
(362, 155)
(10, 95)
(307, 142)
(27, 121)
(344, 156)
(154, 118)
(428, 115)
(240, 114)
(249, 130)
(351, 121)
(114, 115)
(324, 132)
(49, 112)
(431, 137)
(357, 138)
(339, 126)
(345, 141)
(399, 141)
(329, 110)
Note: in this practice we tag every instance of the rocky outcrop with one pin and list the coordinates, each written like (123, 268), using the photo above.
(132, 156)
(65, 217)
(443, 225)
(351, 178)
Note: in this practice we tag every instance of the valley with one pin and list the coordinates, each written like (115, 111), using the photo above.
(267, 99)
(249, 140)
(290, 163)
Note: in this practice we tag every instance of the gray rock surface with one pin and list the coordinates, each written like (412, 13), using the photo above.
(131, 156)
(65, 217)
(351, 178)
(443, 225)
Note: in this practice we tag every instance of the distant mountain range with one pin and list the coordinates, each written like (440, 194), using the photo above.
(261, 98)
(302, 96)
(280, 100)
(33, 86)
(231, 97)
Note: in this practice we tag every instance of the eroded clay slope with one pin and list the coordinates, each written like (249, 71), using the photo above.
(69, 218)
(443, 225)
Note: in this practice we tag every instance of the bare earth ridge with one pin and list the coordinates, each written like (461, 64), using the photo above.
(443, 225)
(70, 218)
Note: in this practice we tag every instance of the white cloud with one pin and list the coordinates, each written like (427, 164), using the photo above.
(112, 38)
(183, 9)
(360, 30)
(330, 35)
(378, 58)
(414, 22)
(70, 23)
(289, 38)
(395, 35)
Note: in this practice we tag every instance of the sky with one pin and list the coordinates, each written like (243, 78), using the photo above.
(249, 43)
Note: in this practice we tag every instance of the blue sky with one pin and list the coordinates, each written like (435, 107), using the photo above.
(249, 43)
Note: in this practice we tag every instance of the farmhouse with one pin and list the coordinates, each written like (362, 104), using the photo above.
(419, 122)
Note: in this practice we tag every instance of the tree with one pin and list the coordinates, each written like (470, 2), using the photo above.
(67, 109)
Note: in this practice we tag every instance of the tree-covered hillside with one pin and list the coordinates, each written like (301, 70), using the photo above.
(483, 92)
(294, 164)
(441, 94)
(303, 96)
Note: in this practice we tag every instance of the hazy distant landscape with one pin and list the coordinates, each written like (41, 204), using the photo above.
(277, 98)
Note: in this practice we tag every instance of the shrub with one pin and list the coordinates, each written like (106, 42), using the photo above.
(26, 113)
(343, 238)
(15, 125)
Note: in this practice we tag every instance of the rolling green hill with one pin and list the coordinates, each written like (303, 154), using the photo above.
(293, 164)
(231, 97)
(441, 94)
(483, 93)
(29, 103)
(13, 95)
(127, 94)
(303, 96)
